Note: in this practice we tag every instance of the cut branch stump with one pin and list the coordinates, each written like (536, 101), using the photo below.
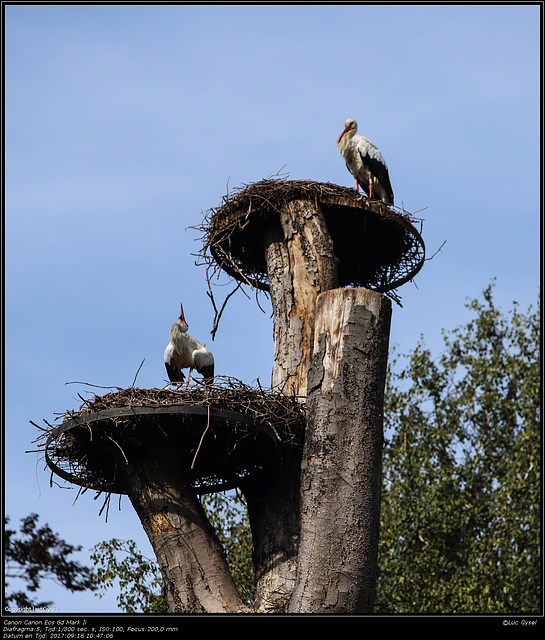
(301, 263)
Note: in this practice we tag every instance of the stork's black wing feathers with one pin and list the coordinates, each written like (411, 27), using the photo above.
(380, 171)
(204, 363)
(174, 374)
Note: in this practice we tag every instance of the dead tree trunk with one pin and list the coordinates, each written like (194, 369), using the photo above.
(342, 458)
(196, 578)
(301, 264)
(315, 518)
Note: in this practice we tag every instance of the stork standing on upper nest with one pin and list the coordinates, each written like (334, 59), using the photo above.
(186, 352)
(365, 163)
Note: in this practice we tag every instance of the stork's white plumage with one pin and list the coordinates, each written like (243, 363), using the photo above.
(365, 163)
(186, 352)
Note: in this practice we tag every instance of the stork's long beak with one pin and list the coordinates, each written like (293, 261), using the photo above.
(182, 318)
(342, 134)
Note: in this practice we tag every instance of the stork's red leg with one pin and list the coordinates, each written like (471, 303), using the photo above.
(370, 186)
(188, 377)
(180, 383)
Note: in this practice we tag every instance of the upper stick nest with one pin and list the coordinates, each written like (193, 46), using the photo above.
(377, 245)
(222, 433)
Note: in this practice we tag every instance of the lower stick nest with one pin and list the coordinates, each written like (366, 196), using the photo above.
(224, 434)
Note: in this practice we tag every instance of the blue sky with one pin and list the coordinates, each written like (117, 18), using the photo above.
(125, 123)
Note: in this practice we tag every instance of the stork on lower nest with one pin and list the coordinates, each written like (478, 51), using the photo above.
(186, 352)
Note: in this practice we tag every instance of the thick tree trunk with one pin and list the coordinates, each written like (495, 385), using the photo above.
(301, 264)
(196, 578)
(342, 457)
(315, 522)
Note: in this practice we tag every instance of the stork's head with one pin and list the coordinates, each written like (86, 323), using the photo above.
(181, 319)
(351, 126)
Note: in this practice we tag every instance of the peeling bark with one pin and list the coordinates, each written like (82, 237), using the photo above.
(301, 264)
(342, 457)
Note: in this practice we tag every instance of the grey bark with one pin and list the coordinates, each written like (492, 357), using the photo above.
(273, 511)
(342, 457)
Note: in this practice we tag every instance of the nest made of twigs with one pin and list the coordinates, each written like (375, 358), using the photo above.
(224, 433)
(377, 245)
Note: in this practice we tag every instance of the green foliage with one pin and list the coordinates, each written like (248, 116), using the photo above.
(40, 554)
(138, 577)
(229, 516)
(461, 521)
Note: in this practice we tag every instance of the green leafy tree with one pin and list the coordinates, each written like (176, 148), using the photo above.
(40, 554)
(138, 577)
(460, 515)
(229, 516)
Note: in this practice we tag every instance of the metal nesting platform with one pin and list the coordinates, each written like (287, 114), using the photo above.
(219, 448)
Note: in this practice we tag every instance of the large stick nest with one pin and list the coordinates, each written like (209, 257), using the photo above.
(377, 245)
(223, 433)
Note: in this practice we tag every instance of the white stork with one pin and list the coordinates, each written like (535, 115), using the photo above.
(365, 163)
(184, 351)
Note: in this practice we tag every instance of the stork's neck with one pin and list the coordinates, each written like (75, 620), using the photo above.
(177, 330)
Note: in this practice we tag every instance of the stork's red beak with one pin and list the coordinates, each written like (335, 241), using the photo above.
(182, 318)
(342, 134)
